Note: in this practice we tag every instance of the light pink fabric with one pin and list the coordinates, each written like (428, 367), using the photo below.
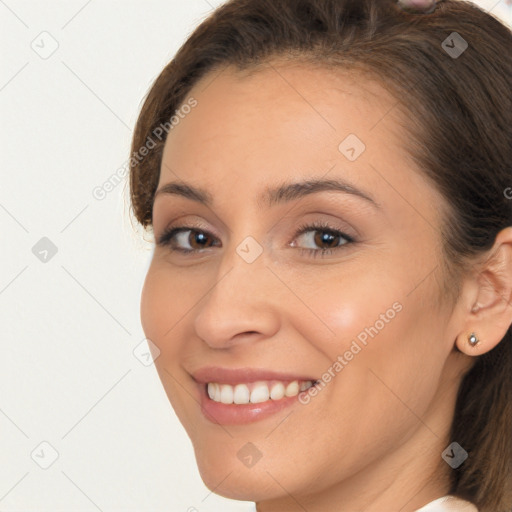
(444, 504)
(448, 504)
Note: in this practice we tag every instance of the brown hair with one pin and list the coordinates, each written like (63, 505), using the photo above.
(460, 124)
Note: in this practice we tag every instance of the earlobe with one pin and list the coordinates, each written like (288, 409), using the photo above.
(471, 344)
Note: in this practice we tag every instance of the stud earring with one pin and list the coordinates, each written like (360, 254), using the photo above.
(473, 340)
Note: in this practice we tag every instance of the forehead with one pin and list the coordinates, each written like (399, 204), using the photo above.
(287, 101)
(280, 110)
(285, 121)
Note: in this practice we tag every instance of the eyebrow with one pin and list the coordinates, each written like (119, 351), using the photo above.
(272, 196)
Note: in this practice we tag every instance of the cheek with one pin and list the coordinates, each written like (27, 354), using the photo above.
(370, 297)
(344, 305)
(153, 306)
(383, 333)
(161, 309)
(162, 306)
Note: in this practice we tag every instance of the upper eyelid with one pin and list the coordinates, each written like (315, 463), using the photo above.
(363, 208)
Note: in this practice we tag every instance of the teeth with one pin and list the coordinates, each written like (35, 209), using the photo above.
(256, 392)
(241, 395)
(277, 391)
(216, 395)
(260, 393)
(292, 389)
(305, 385)
(226, 394)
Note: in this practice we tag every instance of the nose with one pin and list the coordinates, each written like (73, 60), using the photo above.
(241, 304)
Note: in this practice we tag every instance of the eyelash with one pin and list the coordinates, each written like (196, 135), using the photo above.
(167, 236)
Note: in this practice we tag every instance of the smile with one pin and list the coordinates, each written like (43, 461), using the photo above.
(255, 392)
(237, 396)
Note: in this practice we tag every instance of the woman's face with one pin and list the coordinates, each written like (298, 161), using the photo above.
(294, 277)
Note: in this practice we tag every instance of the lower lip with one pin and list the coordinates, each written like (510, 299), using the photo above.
(233, 414)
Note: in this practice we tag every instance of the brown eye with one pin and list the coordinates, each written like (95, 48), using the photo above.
(322, 239)
(196, 239)
(327, 238)
(186, 239)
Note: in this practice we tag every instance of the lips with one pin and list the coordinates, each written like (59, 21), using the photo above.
(235, 376)
(220, 379)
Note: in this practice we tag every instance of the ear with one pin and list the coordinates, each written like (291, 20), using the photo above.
(490, 307)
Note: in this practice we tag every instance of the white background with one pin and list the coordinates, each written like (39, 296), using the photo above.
(70, 325)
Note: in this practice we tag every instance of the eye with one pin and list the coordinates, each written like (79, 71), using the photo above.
(185, 239)
(321, 238)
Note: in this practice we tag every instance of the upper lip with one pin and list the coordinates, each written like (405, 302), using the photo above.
(241, 375)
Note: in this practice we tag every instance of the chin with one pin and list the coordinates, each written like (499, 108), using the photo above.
(229, 478)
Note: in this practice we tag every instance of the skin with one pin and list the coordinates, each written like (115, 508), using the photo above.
(372, 438)
(419, 6)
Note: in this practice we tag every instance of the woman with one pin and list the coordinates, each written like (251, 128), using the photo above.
(329, 185)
